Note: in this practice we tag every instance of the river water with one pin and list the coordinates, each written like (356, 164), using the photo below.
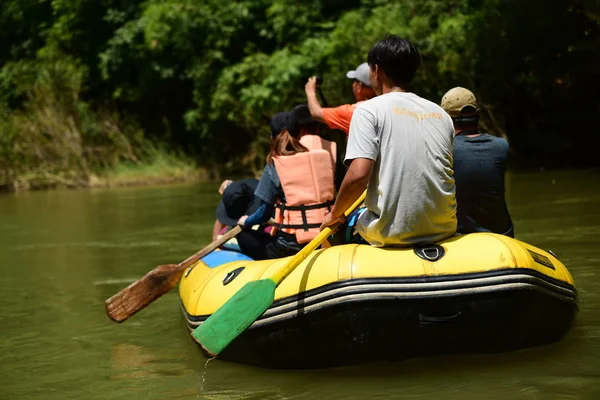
(62, 253)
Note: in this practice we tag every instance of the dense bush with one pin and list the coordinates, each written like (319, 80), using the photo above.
(80, 80)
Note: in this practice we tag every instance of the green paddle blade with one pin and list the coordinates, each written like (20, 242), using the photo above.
(233, 317)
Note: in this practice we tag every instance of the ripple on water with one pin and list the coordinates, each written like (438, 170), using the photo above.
(102, 245)
(56, 342)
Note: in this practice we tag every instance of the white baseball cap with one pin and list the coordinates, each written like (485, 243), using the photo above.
(361, 74)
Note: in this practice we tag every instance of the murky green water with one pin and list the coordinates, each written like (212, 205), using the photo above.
(63, 252)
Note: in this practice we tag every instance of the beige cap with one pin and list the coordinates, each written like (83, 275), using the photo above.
(456, 99)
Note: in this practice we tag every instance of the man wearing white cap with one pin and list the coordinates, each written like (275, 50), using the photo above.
(339, 117)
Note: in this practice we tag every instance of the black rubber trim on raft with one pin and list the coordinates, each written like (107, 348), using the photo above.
(460, 281)
(279, 314)
(425, 279)
(353, 295)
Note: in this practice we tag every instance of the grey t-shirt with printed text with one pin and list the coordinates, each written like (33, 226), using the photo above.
(411, 192)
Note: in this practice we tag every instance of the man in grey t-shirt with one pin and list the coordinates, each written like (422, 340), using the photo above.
(400, 149)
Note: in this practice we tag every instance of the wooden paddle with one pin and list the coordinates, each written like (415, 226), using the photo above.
(253, 299)
(156, 283)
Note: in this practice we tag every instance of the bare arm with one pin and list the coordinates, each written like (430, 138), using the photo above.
(217, 227)
(316, 111)
(355, 182)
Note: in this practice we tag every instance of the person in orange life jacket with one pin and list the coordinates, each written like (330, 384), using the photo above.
(237, 199)
(231, 206)
(479, 167)
(297, 184)
(339, 117)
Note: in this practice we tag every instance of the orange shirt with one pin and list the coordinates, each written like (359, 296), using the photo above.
(339, 117)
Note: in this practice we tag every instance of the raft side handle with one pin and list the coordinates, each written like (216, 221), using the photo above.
(430, 252)
(231, 275)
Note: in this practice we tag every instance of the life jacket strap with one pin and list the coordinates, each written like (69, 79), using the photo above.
(297, 226)
(302, 208)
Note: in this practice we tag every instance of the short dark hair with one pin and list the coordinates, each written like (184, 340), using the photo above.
(304, 123)
(302, 116)
(397, 57)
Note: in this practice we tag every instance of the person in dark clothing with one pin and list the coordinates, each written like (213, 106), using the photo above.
(479, 166)
(237, 199)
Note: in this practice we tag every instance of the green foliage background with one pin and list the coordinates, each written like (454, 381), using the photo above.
(89, 84)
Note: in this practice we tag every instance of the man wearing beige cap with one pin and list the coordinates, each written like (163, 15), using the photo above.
(339, 117)
(479, 167)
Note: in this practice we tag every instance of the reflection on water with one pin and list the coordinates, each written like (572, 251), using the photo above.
(130, 361)
(63, 252)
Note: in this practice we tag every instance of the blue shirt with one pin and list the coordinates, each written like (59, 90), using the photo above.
(269, 190)
(479, 167)
(269, 187)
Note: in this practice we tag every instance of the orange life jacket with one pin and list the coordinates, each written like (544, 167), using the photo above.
(307, 182)
(315, 142)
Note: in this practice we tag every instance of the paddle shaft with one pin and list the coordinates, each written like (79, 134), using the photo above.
(310, 247)
(210, 248)
(157, 282)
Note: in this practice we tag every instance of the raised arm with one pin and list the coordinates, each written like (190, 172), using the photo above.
(316, 111)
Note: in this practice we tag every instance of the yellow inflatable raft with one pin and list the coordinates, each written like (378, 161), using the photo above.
(347, 304)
